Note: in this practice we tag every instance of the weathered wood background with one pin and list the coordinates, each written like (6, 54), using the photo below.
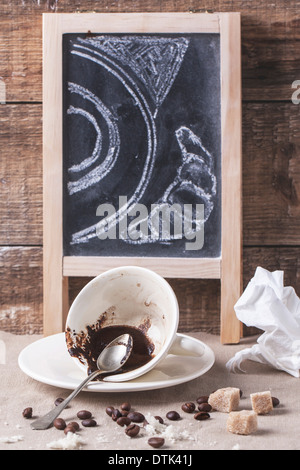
(271, 152)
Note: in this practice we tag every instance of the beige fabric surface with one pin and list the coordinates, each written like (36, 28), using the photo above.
(276, 431)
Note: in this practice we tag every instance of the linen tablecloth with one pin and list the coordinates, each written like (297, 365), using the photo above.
(276, 431)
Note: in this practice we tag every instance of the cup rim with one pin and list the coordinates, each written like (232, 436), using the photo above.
(126, 376)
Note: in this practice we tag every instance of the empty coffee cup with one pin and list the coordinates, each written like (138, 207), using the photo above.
(126, 299)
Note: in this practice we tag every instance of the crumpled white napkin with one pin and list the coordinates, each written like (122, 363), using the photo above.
(268, 305)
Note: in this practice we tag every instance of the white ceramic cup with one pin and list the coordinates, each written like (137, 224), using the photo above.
(131, 296)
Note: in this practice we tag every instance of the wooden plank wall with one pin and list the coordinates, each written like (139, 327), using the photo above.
(271, 152)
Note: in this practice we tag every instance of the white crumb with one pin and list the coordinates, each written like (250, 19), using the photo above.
(236, 447)
(164, 430)
(11, 439)
(72, 441)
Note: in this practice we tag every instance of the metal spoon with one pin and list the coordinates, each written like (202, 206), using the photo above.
(112, 358)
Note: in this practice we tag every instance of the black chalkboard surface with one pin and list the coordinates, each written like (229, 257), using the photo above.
(142, 135)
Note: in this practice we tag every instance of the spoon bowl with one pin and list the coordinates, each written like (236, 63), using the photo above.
(111, 359)
(115, 354)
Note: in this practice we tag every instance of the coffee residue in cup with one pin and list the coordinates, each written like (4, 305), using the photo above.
(88, 347)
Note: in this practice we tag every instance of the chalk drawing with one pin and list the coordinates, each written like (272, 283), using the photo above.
(196, 172)
(194, 175)
(90, 232)
(153, 62)
(98, 145)
(99, 172)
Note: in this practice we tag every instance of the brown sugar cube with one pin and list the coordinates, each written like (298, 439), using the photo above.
(262, 402)
(242, 422)
(225, 399)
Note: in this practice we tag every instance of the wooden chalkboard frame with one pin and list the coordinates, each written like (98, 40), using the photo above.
(57, 267)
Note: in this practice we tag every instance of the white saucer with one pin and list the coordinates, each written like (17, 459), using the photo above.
(48, 361)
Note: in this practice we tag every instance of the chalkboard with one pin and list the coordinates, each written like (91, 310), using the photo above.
(142, 151)
(142, 125)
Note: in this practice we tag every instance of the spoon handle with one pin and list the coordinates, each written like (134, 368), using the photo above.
(47, 420)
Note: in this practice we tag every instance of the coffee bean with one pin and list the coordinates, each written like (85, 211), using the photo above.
(125, 407)
(205, 407)
(116, 414)
(27, 413)
(188, 407)
(109, 410)
(59, 423)
(74, 425)
(136, 417)
(156, 442)
(202, 399)
(275, 402)
(123, 421)
(89, 423)
(69, 429)
(201, 416)
(132, 430)
(173, 415)
(159, 419)
(84, 414)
